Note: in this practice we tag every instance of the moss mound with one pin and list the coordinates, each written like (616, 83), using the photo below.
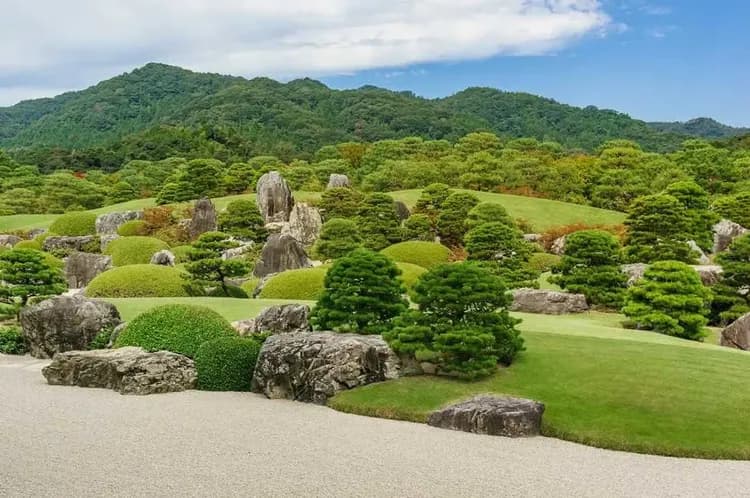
(543, 262)
(410, 273)
(226, 363)
(138, 281)
(181, 253)
(132, 228)
(76, 223)
(134, 250)
(304, 284)
(424, 254)
(179, 328)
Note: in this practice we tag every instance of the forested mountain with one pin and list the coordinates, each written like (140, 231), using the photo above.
(701, 127)
(298, 117)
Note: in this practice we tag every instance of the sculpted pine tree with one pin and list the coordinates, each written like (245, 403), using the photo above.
(731, 299)
(696, 202)
(378, 222)
(243, 219)
(451, 222)
(488, 212)
(658, 230)
(340, 202)
(338, 237)
(501, 249)
(207, 269)
(25, 273)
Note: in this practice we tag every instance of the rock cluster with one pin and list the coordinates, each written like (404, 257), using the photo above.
(282, 319)
(280, 253)
(547, 302)
(204, 218)
(107, 224)
(274, 197)
(493, 415)
(305, 224)
(82, 267)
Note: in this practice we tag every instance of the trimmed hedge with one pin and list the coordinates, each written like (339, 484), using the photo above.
(138, 281)
(410, 274)
(11, 340)
(179, 328)
(132, 228)
(75, 223)
(304, 284)
(134, 250)
(226, 363)
(420, 253)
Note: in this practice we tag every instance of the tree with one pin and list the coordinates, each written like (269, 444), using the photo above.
(488, 212)
(658, 230)
(431, 200)
(669, 299)
(340, 202)
(121, 192)
(503, 251)
(362, 293)
(734, 208)
(243, 219)
(198, 178)
(701, 219)
(418, 227)
(591, 266)
(451, 222)
(207, 268)
(25, 273)
(338, 237)
(731, 299)
(379, 223)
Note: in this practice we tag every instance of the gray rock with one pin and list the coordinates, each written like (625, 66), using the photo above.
(115, 334)
(547, 302)
(36, 232)
(492, 415)
(634, 271)
(313, 366)
(274, 197)
(725, 232)
(558, 246)
(702, 258)
(81, 243)
(65, 323)
(276, 227)
(305, 224)
(402, 210)
(82, 267)
(9, 240)
(128, 370)
(244, 327)
(107, 224)
(337, 181)
(710, 274)
(204, 218)
(281, 252)
(282, 319)
(238, 252)
(532, 237)
(737, 334)
(163, 258)
(106, 239)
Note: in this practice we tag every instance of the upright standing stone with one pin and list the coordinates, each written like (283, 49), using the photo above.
(305, 224)
(402, 210)
(204, 218)
(274, 197)
(336, 181)
(282, 252)
(82, 267)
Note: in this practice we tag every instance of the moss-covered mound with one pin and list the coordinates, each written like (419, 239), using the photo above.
(543, 262)
(410, 273)
(138, 281)
(134, 250)
(303, 284)
(226, 363)
(132, 228)
(424, 254)
(76, 223)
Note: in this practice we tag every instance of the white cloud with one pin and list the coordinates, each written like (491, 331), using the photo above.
(53, 44)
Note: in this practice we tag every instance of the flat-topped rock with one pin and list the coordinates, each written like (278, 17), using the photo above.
(282, 319)
(492, 415)
(127, 370)
(548, 302)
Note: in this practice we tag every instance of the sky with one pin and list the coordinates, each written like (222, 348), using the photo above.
(658, 60)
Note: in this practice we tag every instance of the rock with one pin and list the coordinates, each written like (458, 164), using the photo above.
(547, 302)
(710, 274)
(337, 181)
(107, 224)
(244, 327)
(737, 334)
(127, 370)
(163, 258)
(9, 240)
(304, 224)
(281, 252)
(36, 232)
(74, 292)
(81, 243)
(313, 366)
(634, 271)
(65, 323)
(532, 237)
(261, 284)
(492, 415)
(402, 210)
(702, 258)
(204, 218)
(106, 239)
(274, 197)
(283, 319)
(238, 252)
(82, 267)
(276, 227)
(558, 246)
(725, 232)
(115, 334)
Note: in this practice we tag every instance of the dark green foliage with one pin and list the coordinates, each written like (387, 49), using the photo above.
(135, 250)
(362, 294)
(543, 262)
(226, 363)
(340, 202)
(451, 222)
(701, 220)
(207, 269)
(658, 228)
(196, 179)
(419, 227)
(76, 223)
(431, 200)
(734, 208)
(378, 222)
(488, 212)
(138, 281)
(179, 328)
(669, 299)
(502, 250)
(133, 228)
(338, 237)
(26, 273)
(101, 340)
(121, 192)
(11, 340)
(591, 266)
(243, 219)
(229, 291)
(730, 300)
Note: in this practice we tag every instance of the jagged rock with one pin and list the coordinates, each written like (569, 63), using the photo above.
(634, 271)
(558, 246)
(204, 218)
(65, 323)
(283, 319)
(547, 302)
(737, 334)
(313, 366)
(336, 181)
(281, 252)
(115, 334)
(74, 292)
(81, 243)
(127, 370)
(725, 232)
(82, 267)
(106, 239)
(532, 237)
(710, 274)
(702, 258)
(238, 252)
(109, 223)
(402, 210)
(274, 197)
(36, 232)
(493, 415)
(9, 240)
(163, 258)
(276, 227)
(304, 224)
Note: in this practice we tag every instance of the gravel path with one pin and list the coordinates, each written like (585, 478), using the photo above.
(67, 442)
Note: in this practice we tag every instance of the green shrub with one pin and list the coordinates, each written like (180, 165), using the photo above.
(134, 250)
(730, 301)
(424, 254)
(138, 281)
(226, 363)
(543, 262)
(179, 328)
(231, 291)
(303, 284)
(250, 285)
(11, 340)
(29, 244)
(338, 237)
(75, 223)
(132, 228)
(419, 227)
(243, 219)
(101, 340)
(410, 274)
(181, 253)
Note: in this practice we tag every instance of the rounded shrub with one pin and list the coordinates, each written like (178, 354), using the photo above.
(29, 244)
(75, 223)
(134, 250)
(132, 228)
(181, 253)
(138, 281)
(226, 363)
(410, 274)
(250, 285)
(304, 284)
(543, 262)
(179, 328)
(420, 253)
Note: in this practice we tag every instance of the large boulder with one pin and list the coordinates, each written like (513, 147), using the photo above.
(79, 243)
(164, 257)
(274, 197)
(709, 274)
(9, 240)
(313, 366)
(337, 181)
(127, 370)
(82, 267)
(204, 218)
(634, 271)
(238, 252)
(107, 224)
(737, 334)
(402, 210)
(725, 232)
(65, 323)
(282, 319)
(280, 253)
(305, 224)
(547, 302)
(493, 415)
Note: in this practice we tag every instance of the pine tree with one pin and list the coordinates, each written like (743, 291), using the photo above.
(502, 250)
(25, 273)
(243, 219)
(207, 268)
(701, 219)
(379, 223)
(338, 237)
(731, 299)
(451, 222)
(658, 230)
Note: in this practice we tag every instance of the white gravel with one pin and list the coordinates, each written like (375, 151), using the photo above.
(68, 442)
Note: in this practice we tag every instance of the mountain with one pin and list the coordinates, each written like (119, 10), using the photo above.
(298, 117)
(700, 127)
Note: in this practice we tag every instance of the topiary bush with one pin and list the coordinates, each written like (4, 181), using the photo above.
(179, 328)
(132, 228)
(134, 250)
(226, 363)
(29, 244)
(410, 274)
(303, 284)
(75, 223)
(138, 281)
(420, 253)
(543, 262)
(11, 340)
(338, 237)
